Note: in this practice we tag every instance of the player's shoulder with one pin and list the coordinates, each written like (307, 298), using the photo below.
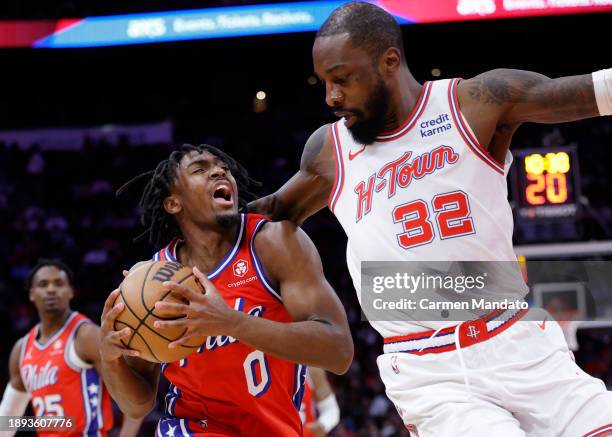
(281, 241)
(86, 330)
(275, 233)
(317, 149)
(496, 86)
(16, 349)
(16, 352)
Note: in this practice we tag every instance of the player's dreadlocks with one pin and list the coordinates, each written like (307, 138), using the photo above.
(161, 226)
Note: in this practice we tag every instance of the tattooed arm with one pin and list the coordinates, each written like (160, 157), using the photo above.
(524, 96)
(497, 102)
(307, 191)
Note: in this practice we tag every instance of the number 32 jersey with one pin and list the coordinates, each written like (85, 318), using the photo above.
(228, 388)
(424, 192)
(61, 384)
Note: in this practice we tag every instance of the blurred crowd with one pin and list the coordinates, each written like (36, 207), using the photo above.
(62, 204)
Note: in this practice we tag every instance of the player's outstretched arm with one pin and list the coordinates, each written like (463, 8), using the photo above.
(132, 382)
(308, 190)
(513, 97)
(87, 346)
(15, 398)
(319, 336)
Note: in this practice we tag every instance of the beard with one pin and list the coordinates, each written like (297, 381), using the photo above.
(365, 130)
(228, 221)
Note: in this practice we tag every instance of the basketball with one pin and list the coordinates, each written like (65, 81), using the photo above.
(139, 291)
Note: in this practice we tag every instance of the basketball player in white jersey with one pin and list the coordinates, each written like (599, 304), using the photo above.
(417, 172)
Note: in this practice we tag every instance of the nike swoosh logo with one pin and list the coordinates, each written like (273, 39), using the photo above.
(542, 325)
(354, 155)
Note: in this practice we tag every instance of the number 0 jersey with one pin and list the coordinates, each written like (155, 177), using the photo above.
(227, 388)
(424, 192)
(61, 384)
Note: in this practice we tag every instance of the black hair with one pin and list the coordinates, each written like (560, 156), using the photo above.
(161, 226)
(45, 262)
(369, 27)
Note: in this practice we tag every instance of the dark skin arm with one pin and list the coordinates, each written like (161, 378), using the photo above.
(319, 318)
(132, 382)
(497, 102)
(87, 347)
(308, 190)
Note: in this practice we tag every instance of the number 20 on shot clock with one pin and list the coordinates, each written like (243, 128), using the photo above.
(546, 184)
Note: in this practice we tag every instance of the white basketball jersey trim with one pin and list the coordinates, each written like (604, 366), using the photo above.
(466, 132)
(419, 107)
(339, 179)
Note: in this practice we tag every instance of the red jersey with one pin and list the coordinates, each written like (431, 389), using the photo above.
(62, 387)
(308, 411)
(227, 388)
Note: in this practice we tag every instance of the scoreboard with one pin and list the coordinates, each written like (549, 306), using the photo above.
(546, 184)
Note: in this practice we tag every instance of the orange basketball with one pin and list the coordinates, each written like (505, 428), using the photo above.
(139, 291)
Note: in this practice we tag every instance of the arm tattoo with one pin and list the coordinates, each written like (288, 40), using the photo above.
(500, 89)
(535, 97)
(313, 147)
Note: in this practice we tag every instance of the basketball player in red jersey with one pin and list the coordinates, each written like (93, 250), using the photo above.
(267, 312)
(421, 171)
(57, 363)
(320, 412)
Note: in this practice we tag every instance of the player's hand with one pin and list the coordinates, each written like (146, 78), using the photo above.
(111, 348)
(316, 429)
(205, 315)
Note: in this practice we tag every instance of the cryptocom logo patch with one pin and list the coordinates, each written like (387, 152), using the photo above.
(240, 268)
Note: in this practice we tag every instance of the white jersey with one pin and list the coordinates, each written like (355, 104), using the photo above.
(424, 192)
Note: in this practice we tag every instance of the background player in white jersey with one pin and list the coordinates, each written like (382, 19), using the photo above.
(420, 170)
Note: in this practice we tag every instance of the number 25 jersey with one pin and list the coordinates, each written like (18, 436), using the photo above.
(61, 384)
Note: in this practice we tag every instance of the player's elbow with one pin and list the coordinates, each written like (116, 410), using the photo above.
(343, 354)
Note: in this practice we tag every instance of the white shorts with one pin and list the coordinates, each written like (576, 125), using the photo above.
(521, 382)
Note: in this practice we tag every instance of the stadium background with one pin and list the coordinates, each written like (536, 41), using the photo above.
(59, 202)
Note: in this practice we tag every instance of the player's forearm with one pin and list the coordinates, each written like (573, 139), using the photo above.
(273, 207)
(564, 99)
(134, 395)
(267, 206)
(314, 343)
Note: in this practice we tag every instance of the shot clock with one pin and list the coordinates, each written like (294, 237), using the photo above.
(546, 184)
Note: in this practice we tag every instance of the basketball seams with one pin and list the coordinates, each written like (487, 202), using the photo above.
(148, 312)
(142, 287)
(142, 338)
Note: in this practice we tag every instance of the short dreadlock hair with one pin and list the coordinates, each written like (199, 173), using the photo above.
(45, 262)
(161, 226)
(369, 27)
